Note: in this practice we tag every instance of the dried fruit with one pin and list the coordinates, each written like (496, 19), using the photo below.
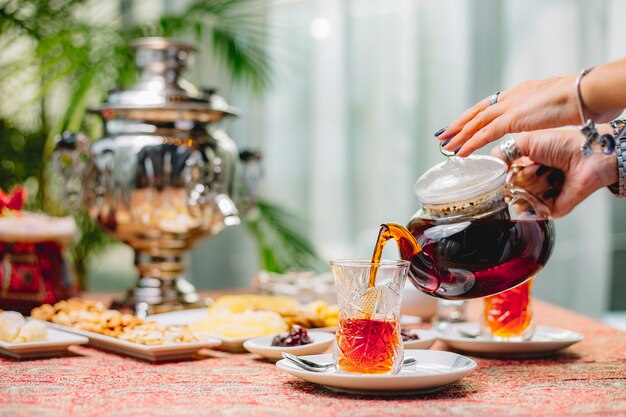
(298, 336)
(408, 335)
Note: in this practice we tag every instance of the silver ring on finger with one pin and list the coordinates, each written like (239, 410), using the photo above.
(494, 98)
(509, 150)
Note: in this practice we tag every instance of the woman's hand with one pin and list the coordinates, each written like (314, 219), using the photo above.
(555, 170)
(529, 106)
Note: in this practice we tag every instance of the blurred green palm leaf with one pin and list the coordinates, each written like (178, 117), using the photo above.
(281, 238)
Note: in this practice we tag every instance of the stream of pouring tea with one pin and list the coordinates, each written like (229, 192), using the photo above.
(407, 245)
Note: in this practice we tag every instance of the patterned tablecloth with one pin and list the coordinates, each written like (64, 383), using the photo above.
(586, 379)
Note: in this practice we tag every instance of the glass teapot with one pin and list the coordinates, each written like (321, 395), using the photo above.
(476, 234)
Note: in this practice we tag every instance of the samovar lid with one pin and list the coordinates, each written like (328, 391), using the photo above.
(161, 94)
(461, 180)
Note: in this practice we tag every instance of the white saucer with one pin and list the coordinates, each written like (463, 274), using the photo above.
(263, 345)
(426, 339)
(56, 344)
(433, 371)
(544, 341)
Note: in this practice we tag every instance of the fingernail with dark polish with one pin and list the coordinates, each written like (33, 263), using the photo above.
(457, 150)
(440, 131)
(445, 142)
(556, 177)
(551, 193)
(541, 170)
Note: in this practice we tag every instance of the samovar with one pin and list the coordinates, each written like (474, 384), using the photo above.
(162, 176)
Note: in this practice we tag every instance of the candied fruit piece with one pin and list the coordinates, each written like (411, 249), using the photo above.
(298, 336)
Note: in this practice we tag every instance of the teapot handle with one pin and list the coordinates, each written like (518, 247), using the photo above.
(523, 200)
(70, 160)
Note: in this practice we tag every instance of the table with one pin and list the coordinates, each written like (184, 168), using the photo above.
(586, 379)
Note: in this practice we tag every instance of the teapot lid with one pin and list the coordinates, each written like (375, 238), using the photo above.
(460, 179)
(161, 94)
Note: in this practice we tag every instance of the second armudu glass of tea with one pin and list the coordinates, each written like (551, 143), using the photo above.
(476, 234)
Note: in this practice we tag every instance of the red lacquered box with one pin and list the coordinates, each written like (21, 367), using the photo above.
(33, 270)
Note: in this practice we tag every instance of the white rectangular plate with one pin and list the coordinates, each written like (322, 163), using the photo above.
(56, 344)
(164, 352)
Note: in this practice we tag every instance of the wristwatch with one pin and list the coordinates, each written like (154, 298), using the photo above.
(617, 126)
(619, 188)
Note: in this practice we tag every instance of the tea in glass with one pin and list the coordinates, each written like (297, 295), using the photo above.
(508, 315)
(368, 339)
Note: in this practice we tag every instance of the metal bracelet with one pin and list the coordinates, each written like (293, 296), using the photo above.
(588, 127)
(579, 97)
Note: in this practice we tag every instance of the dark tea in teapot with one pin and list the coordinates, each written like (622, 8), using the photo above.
(481, 257)
(476, 235)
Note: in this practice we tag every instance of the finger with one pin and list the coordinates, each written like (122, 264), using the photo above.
(481, 120)
(455, 127)
(541, 181)
(542, 186)
(494, 130)
(549, 147)
(538, 180)
(523, 161)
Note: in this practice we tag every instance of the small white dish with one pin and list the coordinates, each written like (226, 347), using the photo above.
(263, 345)
(56, 344)
(426, 339)
(545, 340)
(433, 371)
(156, 353)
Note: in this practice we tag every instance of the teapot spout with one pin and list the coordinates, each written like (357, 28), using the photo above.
(407, 245)
(70, 161)
(411, 251)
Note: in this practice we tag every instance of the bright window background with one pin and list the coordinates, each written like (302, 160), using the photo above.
(361, 85)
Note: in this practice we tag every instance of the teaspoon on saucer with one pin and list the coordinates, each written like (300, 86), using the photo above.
(322, 367)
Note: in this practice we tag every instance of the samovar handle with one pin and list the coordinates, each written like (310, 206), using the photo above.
(71, 160)
(204, 187)
(228, 209)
